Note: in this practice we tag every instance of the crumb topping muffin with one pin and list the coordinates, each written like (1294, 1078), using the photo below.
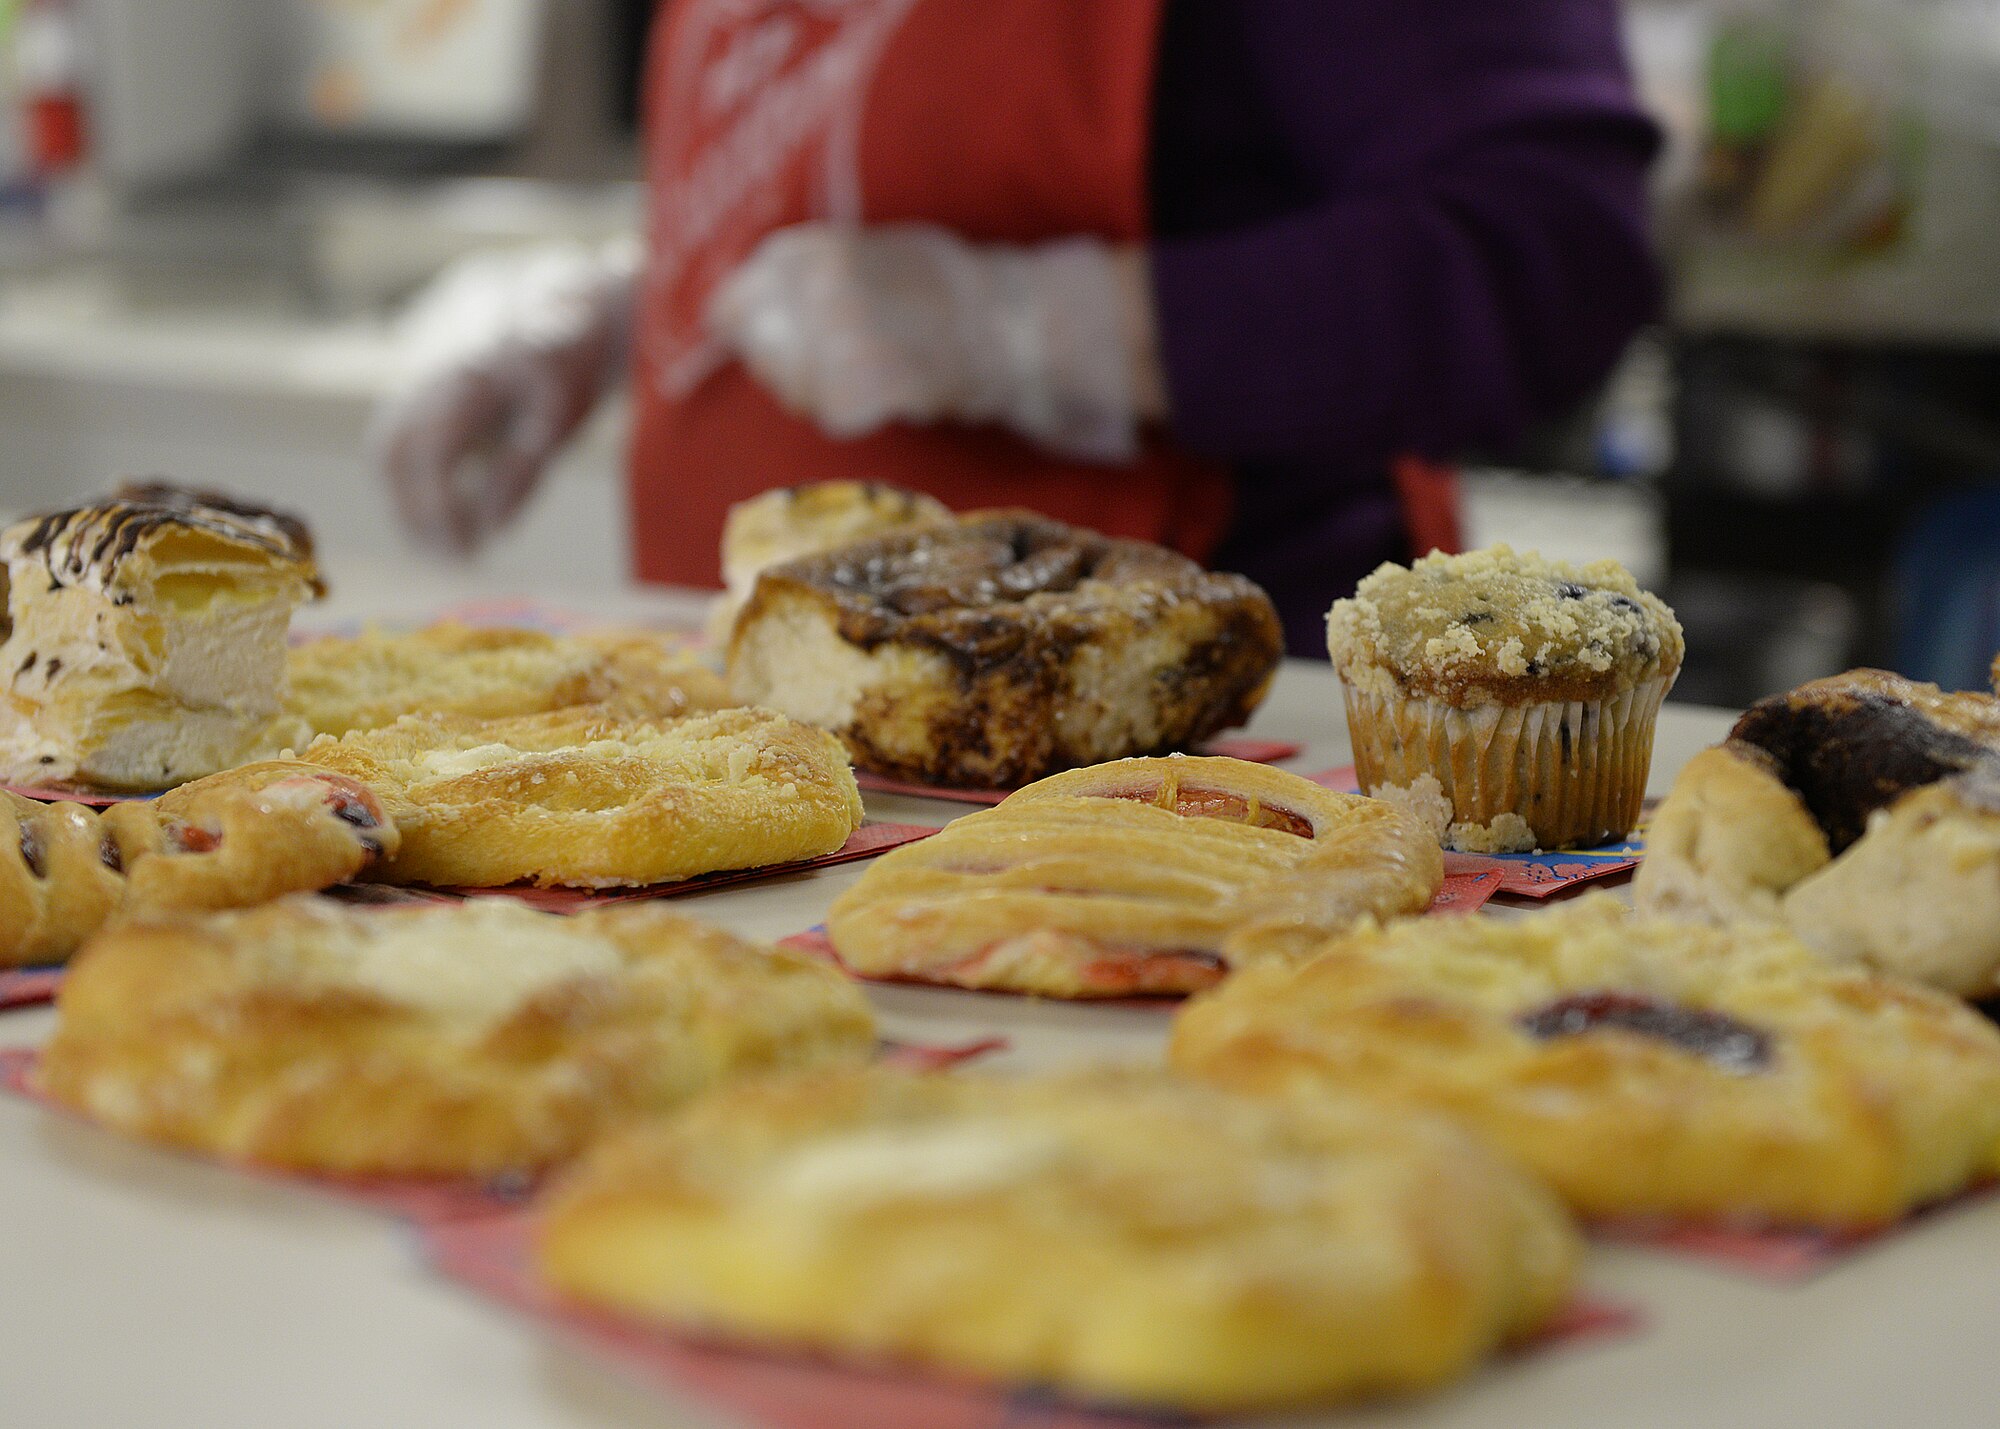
(1500, 626)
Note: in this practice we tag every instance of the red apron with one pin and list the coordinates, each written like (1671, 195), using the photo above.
(1002, 120)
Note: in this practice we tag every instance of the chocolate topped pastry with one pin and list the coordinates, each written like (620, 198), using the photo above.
(1001, 647)
(1863, 812)
(145, 638)
(1857, 742)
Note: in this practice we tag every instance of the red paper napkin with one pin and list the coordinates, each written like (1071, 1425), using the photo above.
(1787, 1254)
(1526, 875)
(493, 1257)
(55, 794)
(1257, 751)
(28, 987)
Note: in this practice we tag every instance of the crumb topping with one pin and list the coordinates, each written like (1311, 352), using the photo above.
(1501, 626)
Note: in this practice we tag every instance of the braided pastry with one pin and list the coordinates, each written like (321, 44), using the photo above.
(1138, 876)
(1862, 812)
(229, 841)
(995, 649)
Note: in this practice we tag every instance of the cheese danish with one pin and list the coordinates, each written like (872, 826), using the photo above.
(435, 1039)
(1119, 1236)
(582, 798)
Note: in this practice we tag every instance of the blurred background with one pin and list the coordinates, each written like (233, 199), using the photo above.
(211, 212)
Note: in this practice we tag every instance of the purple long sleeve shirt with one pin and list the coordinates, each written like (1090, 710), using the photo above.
(1384, 227)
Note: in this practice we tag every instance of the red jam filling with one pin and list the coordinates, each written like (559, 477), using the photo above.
(1713, 1036)
(1193, 803)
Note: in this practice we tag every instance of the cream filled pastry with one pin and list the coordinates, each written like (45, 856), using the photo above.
(145, 638)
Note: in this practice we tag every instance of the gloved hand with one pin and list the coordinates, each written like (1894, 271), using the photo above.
(857, 328)
(503, 358)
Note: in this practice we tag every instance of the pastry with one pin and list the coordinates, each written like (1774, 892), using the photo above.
(1130, 877)
(1862, 812)
(1001, 647)
(338, 685)
(144, 638)
(1506, 699)
(229, 841)
(580, 798)
(793, 521)
(1643, 1067)
(437, 1040)
(1120, 1237)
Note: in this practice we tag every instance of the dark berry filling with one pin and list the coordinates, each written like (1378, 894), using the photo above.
(1713, 1036)
(31, 853)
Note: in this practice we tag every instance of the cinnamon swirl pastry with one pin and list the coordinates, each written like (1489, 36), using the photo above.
(998, 648)
(1862, 811)
(230, 841)
(795, 521)
(144, 638)
(1139, 876)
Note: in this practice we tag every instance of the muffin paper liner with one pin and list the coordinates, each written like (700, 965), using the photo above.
(1525, 875)
(1574, 772)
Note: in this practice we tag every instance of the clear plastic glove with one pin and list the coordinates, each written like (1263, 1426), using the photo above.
(502, 359)
(857, 328)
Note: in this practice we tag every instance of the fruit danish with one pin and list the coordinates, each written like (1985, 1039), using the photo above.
(1861, 811)
(1120, 1236)
(1001, 647)
(228, 841)
(455, 1039)
(582, 798)
(1132, 877)
(1641, 1066)
(340, 684)
(143, 642)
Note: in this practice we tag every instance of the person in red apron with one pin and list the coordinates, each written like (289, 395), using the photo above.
(1188, 272)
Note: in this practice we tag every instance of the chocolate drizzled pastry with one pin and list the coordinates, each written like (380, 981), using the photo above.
(85, 545)
(1001, 647)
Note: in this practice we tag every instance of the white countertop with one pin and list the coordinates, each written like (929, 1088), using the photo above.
(146, 1288)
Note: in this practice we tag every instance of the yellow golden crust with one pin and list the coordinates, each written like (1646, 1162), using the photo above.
(1728, 841)
(1796, 1092)
(1119, 1235)
(431, 1040)
(580, 798)
(1132, 877)
(338, 685)
(231, 840)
